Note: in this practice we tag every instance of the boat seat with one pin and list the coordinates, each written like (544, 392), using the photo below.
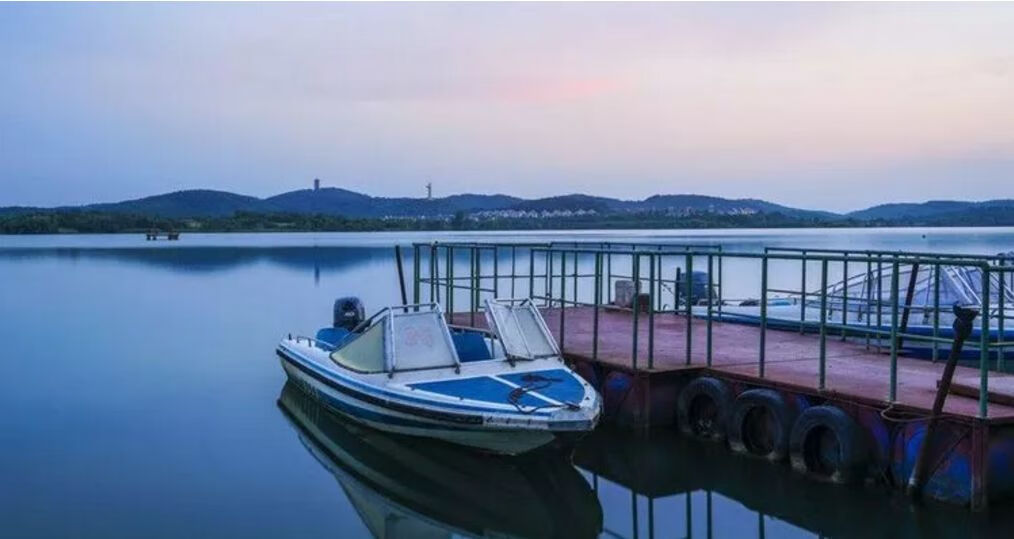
(332, 336)
(470, 346)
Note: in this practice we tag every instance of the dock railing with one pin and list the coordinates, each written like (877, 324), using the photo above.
(688, 281)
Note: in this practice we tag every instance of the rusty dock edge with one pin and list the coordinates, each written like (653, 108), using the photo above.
(860, 404)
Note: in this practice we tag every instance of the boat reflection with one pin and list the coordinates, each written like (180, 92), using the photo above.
(413, 487)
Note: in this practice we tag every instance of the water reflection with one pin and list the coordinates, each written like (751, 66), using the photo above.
(665, 485)
(211, 259)
(410, 487)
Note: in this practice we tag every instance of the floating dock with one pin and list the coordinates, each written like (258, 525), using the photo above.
(839, 401)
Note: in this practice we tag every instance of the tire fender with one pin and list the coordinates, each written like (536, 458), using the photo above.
(844, 456)
(761, 409)
(702, 410)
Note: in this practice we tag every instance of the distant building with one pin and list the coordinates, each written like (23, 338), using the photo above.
(316, 184)
(429, 191)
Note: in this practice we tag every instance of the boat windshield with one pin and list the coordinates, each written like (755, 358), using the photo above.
(521, 329)
(400, 341)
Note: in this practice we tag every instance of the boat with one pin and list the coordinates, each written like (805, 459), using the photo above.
(405, 370)
(861, 306)
(411, 487)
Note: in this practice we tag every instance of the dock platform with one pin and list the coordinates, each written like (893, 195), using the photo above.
(838, 400)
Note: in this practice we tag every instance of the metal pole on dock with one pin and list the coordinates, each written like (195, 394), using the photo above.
(401, 276)
(598, 302)
(963, 319)
(893, 392)
(416, 267)
(936, 311)
(636, 275)
(710, 305)
(651, 311)
(563, 293)
(823, 324)
(802, 296)
(763, 315)
(688, 277)
(984, 346)
(845, 296)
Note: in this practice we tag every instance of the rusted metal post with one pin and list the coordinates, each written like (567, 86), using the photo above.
(963, 319)
(401, 277)
(909, 295)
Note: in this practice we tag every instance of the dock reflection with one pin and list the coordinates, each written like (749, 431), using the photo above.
(412, 487)
(665, 485)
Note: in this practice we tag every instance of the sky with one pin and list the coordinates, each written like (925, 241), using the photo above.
(824, 106)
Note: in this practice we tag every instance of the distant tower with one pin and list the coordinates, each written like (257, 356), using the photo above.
(429, 190)
(316, 184)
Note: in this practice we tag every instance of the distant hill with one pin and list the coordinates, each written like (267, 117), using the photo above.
(337, 202)
(929, 210)
(193, 203)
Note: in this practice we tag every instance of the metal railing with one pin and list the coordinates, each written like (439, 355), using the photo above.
(573, 275)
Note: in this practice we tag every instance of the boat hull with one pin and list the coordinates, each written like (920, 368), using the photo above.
(466, 429)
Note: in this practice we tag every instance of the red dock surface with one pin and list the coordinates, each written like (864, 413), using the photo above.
(853, 371)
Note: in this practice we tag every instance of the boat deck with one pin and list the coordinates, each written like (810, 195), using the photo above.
(792, 360)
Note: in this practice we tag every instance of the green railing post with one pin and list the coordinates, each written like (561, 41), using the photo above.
(869, 299)
(450, 280)
(496, 272)
(845, 297)
(1001, 360)
(721, 282)
(711, 302)
(598, 302)
(763, 314)
(609, 277)
(651, 311)
(635, 275)
(880, 301)
(823, 325)
(531, 272)
(416, 267)
(893, 394)
(689, 278)
(936, 311)
(802, 296)
(473, 286)
(549, 278)
(984, 346)
(563, 293)
(514, 269)
(434, 274)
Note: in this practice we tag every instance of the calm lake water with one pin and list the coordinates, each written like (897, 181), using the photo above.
(141, 397)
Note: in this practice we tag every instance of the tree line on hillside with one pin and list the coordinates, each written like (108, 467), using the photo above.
(78, 221)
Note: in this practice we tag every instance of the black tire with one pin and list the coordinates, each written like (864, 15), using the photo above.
(828, 445)
(760, 424)
(702, 410)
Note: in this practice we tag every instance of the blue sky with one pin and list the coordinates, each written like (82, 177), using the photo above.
(827, 106)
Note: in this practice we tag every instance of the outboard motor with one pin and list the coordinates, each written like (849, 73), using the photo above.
(348, 313)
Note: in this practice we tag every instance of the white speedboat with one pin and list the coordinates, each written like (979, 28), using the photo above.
(404, 370)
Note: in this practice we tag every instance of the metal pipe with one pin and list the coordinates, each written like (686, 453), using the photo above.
(636, 272)
(962, 329)
(688, 278)
(651, 311)
(893, 392)
(401, 276)
(763, 315)
(823, 325)
(802, 295)
(984, 346)
(710, 308)
(598, 301)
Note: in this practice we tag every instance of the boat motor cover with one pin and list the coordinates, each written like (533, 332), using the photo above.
(349, 312)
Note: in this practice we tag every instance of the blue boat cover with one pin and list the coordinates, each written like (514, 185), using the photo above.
(481, 388)
(557, 384)
(471, 346)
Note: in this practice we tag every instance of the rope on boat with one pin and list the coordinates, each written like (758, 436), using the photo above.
(534, 382)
